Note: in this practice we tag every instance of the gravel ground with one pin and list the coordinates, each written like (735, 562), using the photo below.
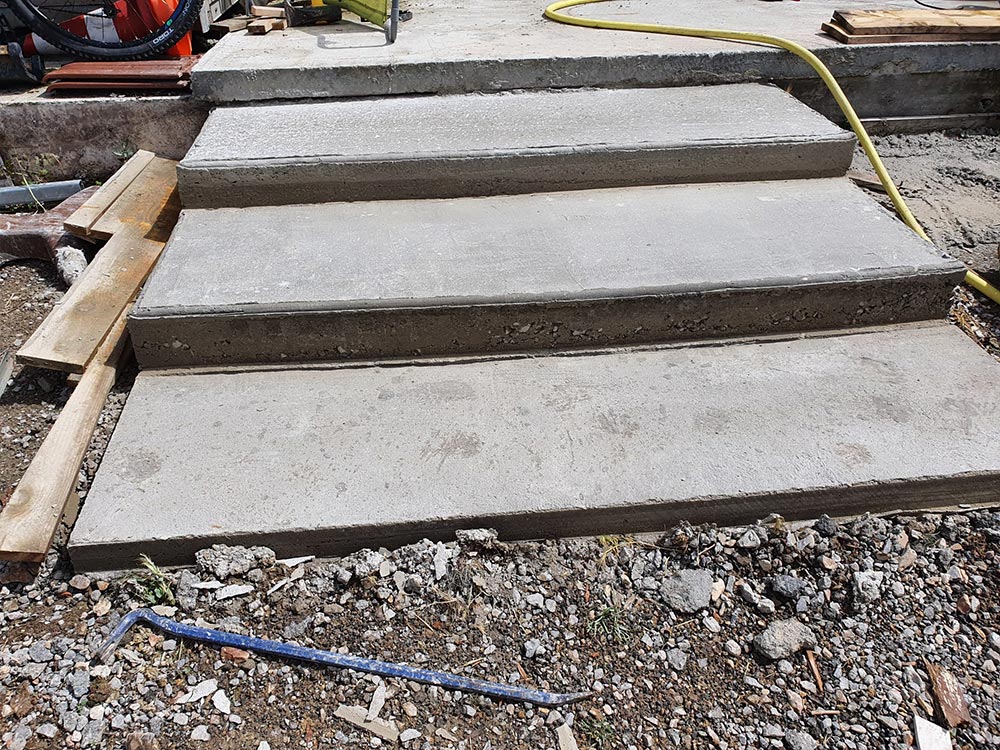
(669, 668)
(702, 638)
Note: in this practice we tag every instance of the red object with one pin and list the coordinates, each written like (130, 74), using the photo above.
(133, 20)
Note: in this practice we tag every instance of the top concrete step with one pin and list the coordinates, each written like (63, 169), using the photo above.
(493, 45)
(454, 146)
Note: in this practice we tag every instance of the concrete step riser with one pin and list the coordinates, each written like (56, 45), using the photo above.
(453, 146)
(193, 340)
(278, 184)
(328, 460)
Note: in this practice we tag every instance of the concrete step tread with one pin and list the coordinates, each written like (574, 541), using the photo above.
(328, 460)
(475, 144)
(530, 248)
(406, 259)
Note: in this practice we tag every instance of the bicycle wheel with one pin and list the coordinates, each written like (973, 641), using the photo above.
(108, 29)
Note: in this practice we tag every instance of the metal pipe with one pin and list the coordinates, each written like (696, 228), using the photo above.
(332, 659)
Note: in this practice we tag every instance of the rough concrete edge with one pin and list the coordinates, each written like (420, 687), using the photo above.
(834, 135)
(945, 268)
(190, 341)
(313, 180)
(900, 494)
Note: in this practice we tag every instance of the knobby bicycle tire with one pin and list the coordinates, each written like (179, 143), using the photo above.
(180, 23)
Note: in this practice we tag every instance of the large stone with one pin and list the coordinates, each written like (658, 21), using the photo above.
(330, 460)
(450, 146)
(510, 273)
(687, 591)
(783, 639)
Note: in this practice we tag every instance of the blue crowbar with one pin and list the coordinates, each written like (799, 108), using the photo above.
(331, 659)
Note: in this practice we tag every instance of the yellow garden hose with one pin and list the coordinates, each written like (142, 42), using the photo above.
(554, 12)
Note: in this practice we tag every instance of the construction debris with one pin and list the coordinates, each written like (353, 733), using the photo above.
(137, 75)
(930, 736)
(46, 192)
(358, 716)
(951, 705)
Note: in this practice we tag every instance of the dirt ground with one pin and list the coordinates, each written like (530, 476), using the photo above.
(951, 182)
(29, 405)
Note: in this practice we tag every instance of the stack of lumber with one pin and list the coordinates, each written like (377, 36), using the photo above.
(913, 25)
(266, 18)
(134, 75)
(85, 333)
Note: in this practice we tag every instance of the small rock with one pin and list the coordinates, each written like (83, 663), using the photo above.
(868, 585)
(782, 639)
(47, 730)
(39, 653)
(749, 540)
(200, 733)
(533, 648)
(788, 587)
(677, 659)
(79, 582)
(223, 561)
(221, 702)
(732, 648)
(408, 735)
(232, 591)
(687, 591)
(826, 526)
(796, 740)
(482, 538)
(231, 653)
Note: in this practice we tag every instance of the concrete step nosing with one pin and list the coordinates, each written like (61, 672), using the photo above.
(951, 271)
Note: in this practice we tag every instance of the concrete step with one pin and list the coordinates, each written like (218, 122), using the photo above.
(328, 460)
(526, 272)
(449, 146)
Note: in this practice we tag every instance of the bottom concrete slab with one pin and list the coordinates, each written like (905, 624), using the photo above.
(329, 460)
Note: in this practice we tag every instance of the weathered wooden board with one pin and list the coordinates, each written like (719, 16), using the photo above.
(841, 35)
(30, 519)
(143, 204)
(81, 220)
(917, 21)
(140, 222)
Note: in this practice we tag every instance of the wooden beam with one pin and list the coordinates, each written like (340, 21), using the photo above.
(143, 203)
(30, 519)
(81, 220)
(264, 25)
(141, 221)
(267, 11)
(841, 35)
(917, 21)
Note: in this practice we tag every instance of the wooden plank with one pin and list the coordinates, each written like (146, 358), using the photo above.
(142, 203)
(81, 220)
(917, 21)
(841, 35)
(267, 11)
(30, 519)
(229, 25)
(144, 216)
(264, 25)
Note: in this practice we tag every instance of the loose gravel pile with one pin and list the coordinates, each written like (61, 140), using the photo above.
(775, 635)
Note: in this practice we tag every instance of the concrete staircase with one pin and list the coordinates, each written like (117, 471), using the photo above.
(520, 322)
